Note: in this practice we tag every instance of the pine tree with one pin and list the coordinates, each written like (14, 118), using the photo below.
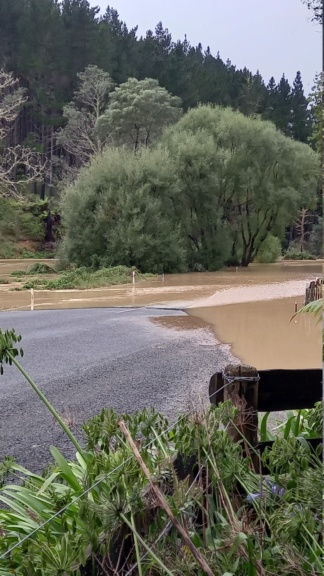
(270, 100)
(282, 116)
(116, 49)
(300, 120)
(80, 26)
(252, 94)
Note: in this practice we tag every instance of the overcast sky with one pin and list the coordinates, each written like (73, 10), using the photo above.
(274, 36)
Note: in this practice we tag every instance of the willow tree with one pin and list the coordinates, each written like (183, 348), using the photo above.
(114, 214)
(252, 181)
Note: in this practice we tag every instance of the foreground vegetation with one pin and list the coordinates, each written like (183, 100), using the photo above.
(78, 278)
(187, 503)
(239, 521)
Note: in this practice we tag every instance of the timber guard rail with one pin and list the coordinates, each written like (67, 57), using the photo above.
(255, 391)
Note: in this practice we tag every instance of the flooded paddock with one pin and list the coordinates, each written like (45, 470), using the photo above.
(248, 308)
(257, 282)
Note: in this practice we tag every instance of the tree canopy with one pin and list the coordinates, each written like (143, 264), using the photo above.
(212, 191)
(91, 82)
(138, 112)
(77, 37)
(112, 217)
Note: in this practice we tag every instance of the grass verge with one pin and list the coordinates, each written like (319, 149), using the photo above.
(83, 278)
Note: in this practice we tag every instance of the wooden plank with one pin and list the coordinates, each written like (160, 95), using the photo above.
(279, 389)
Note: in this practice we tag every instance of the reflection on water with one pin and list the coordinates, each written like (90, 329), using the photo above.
(263, 335)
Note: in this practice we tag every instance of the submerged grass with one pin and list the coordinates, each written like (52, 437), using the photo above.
(83, 278)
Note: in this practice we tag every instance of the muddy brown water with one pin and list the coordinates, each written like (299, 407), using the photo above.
(250, 308)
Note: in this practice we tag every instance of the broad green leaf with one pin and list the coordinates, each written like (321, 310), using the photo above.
(67, 472)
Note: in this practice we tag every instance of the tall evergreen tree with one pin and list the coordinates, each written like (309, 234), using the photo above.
(252, 94)
(300, 120)
(80, 24)
(116, 47)
(282, 116)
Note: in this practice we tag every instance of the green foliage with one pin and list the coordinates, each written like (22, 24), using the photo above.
(84, 278)
(40, 268)
(18, 273)
(316, 109)
(114, 212)
(293, 254)
(85, 511)
(315, 419)
(71, 75)
(197, 202)
(38, 255)
(212, 191)
(138, 112)
(18, 222)
(306, 423)
(270, 250)
(256, 177)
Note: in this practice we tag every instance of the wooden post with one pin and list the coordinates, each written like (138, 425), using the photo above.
(242, 389)
(313, 291)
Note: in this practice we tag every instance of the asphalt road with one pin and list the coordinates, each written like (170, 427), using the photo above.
(85, 360)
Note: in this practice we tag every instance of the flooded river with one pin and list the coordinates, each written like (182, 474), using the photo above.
(248, 308)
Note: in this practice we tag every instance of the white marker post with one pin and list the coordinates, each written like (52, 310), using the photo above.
(32, 299)
(133, 276)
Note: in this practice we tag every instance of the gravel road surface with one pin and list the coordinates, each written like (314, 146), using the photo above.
(85, 360)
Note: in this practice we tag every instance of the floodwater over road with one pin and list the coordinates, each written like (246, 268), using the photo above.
(249, 308)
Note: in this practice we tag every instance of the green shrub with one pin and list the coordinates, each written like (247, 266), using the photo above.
(276, 527)
(84, 278)
(7, 247)
(18, 273)
(297, 255)
(26, 254)
(115, 212)
(40, 268)
(270, 250)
